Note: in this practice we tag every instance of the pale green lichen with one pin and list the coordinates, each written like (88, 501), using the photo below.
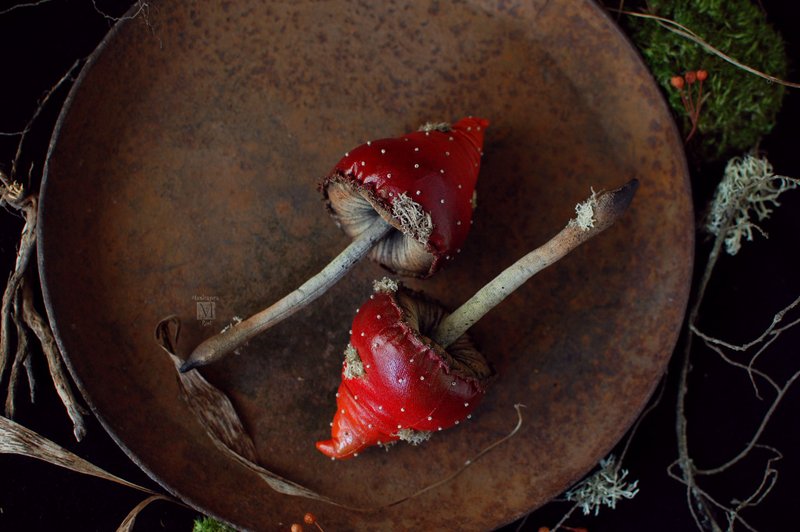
(353, 367)
(414, 437)
(584, 212)
(413, 219)
(748, 187)
(444, 127)
(605, 487)
(385, 285)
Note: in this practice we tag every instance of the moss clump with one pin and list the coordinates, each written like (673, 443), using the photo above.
(207, 524)
(741, 107)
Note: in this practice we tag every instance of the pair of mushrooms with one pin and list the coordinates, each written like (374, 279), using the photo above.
(410, 369)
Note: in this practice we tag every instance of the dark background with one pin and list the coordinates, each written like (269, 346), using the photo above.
(38, 44)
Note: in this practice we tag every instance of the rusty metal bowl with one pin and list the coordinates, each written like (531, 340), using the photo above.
(182, 179)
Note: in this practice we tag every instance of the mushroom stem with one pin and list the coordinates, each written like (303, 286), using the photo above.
(226, 342)
(595, 215)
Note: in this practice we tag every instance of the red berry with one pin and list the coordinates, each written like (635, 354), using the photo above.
(702, 75)
(691, 77)
(677, 82)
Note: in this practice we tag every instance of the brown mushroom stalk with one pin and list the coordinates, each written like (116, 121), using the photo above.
(594, 215)
(217, 347)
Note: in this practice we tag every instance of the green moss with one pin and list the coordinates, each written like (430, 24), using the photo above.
(741, 107)
(207, 524)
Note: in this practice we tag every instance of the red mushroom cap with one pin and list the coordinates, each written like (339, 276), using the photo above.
(398, 384)
(430, 172)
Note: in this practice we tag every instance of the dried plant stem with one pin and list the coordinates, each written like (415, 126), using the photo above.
(11, 195)
(606, 208)
(42, 331)
(218, 346)
(20, 360)
(686, 33)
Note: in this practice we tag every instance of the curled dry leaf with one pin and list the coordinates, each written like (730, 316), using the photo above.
(16, 439)
(130, 520)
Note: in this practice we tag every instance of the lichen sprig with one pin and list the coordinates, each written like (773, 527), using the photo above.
(749, 187)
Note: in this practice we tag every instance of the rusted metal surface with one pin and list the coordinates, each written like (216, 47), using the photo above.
(184, 173)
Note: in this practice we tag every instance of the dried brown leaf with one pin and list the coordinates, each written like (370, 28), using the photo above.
(130, 520)
(16, 439)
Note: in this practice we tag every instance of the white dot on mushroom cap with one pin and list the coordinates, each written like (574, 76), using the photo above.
(363, 163)
(450, 138)
(391, 194)
(419, 192)
(401, 380)
(427, 133)
(399, 426)
(478, 128)
(357, 311)
(342, 410)
(346, 153)
(458, 250)
(333, 458)
(416, 165)
(469, 416)
(350, 332)
(438, 428)
(405, 139)
(369, 143)
(459, 185)
(368, 366)
(458, 222)
(355, 455)
(369, 425)
(430, 418)
(355, 397)
(383, 150)
(469, 128)
(372, 296)
(380, 407)
(378, 316)
(331, 423)
(453, 383)
(447, 257)
(466, 404)
(441, 201)
(441, 171)
(422, 377)
(457, 422)
(362, 334)
(447, 154)
(402, 409)
(337, 394)
(416, 148)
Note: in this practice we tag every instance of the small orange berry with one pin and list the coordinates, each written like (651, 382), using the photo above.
(702, 75)
(677, 82)
(309, 518)
(297, 527)
(691, 77)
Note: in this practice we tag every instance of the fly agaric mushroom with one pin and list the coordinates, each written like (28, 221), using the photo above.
(410, 368)
(407, 201)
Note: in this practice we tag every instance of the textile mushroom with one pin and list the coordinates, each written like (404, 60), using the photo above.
(405, 201)
(411, 370)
